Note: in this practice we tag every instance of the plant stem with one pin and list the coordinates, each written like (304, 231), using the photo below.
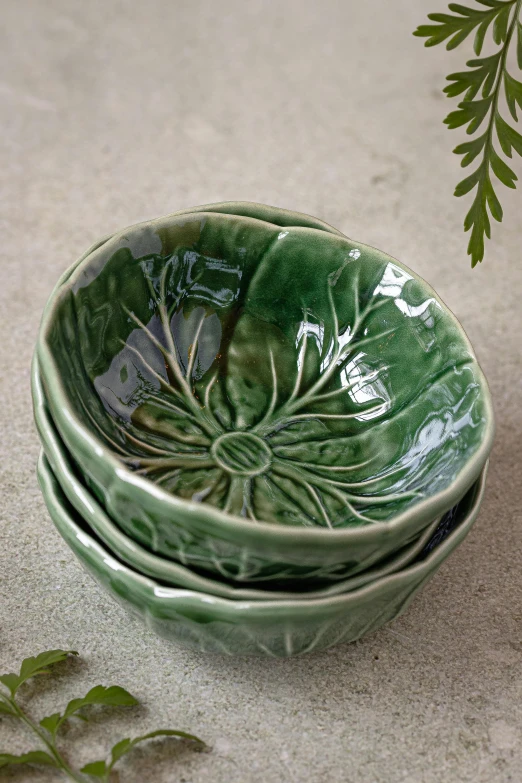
(54, 752)
(498, 84)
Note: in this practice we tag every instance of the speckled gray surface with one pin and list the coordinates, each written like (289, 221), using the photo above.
(113, 112)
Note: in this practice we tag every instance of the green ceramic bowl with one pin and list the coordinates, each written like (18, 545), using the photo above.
(253, 394)
(168, 571)
(270, 628)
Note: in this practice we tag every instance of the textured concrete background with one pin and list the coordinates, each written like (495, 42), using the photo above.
(113, 112)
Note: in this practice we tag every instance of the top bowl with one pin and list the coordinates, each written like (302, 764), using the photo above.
(249, 390)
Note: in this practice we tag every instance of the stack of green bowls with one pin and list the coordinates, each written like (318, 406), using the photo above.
(258, 435)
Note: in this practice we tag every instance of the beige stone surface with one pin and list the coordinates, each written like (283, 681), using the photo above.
(113, 111)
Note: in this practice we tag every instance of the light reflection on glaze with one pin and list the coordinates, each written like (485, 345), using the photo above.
(364, 385)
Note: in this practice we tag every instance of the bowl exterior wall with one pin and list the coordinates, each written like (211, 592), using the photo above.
(269, 629)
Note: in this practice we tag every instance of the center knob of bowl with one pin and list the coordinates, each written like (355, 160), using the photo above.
(241, 453)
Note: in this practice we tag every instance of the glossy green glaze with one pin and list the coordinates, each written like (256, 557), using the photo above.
(226, 374)
(167, 571)
(268, 628)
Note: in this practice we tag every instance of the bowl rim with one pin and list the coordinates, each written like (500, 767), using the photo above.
(99, 521)
(214, 519)
(249, 609)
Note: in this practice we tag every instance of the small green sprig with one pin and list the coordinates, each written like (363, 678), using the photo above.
(48, 728)
(481, 86)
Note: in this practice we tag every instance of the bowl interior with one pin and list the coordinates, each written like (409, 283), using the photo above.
(289, 376)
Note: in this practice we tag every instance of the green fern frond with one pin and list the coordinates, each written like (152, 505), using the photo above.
(481, 87)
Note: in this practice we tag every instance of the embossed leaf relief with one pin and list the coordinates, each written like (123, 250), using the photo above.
(330, 395)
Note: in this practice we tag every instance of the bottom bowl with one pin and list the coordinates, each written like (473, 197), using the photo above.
(267, 628)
